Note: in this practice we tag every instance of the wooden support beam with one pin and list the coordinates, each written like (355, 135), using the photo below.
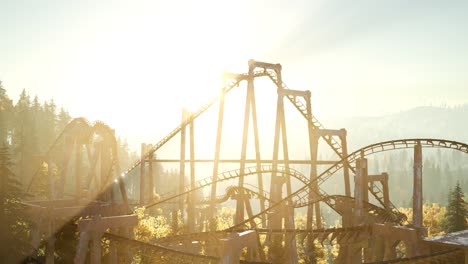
(265, 65)
(191, 202)
(230, 248)
(257, 154)
(331, 132)
(417, 187)
(78, 169)
(219, 132)
(360, 189)
(92, 229)
(142, 174)
(51, 179)
(289, 92)
(50, 248)
(313, 189)
(245, 134)
(182, 163)
(344, 149)
(262, 161)
(150, 177)
(378, 177)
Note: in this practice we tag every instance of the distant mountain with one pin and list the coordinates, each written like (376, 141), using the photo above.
(441, 169)
(422, 122)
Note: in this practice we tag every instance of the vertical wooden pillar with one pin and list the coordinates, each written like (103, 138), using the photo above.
(182, 163)
(360, 188)
(290, 242)
(92, 166)
(50, 249)
(142, 174)
(150, 176)
(102, 173)
(82, 248)
(260, 254)
(276, 181)
(35, 234)
(288, 213)
(466, 255)
(96, 247)
(191, 203)
(51, 179)
(216, 160)
(365, 181)
(107, 188)
(313, 189)
(78, 169)
(386, 192)
(240, 200)
(377, 249)
(175, 221)
(417, 187)
(128, 255)
(344, 147)
(285, 150)
(390, 249)
(257, 154)
(113, 246)
(347, 216)
(123, 191)
(68, 150)
(93, 160)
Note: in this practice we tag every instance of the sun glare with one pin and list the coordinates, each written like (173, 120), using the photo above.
(162, 68)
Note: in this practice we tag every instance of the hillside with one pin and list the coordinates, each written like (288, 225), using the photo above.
(425, 121)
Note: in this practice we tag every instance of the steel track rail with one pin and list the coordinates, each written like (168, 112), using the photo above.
(228, 175)
(231, 84)
(366, 151)
(206, 236)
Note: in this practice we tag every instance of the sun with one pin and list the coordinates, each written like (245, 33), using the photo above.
(152, 66)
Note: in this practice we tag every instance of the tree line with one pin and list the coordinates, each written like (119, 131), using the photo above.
(28, 127)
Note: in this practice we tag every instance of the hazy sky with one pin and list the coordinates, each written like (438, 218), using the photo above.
(129, 62)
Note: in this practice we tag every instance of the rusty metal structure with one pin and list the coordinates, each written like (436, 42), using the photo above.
(93, 192)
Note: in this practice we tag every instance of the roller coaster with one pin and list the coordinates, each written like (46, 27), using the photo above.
(84, 182)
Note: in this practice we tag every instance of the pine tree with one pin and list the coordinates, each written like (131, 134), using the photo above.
(457, 211)
(23, 145)
(36, 114)
(49, 125)
(6, 112)
(62, 120)
(13, 224)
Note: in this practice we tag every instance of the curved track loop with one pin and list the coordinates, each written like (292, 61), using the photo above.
(319, 234)
(392, 145)
(80, 130)
(337, 203)
(77, 123)
(379, 215)
(231, 193)
(330, 200)
(228, 175)
(365, 151)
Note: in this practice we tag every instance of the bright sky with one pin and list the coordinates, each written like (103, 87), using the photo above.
(129, 62)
